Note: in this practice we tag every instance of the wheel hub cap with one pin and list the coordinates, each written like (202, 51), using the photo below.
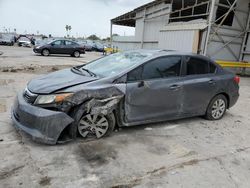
(218, 108)
(93, 126)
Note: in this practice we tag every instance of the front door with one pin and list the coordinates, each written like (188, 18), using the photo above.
(154, 90)
(57, 47)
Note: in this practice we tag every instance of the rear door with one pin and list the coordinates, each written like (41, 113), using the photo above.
(154, 90)
(69, 47)
(199, 85)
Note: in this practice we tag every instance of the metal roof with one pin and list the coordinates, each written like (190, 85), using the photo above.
(128, 19)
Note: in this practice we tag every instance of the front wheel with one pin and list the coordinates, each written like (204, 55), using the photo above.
(45, 52)
(76, 54)
(96, 126)
(216, 108)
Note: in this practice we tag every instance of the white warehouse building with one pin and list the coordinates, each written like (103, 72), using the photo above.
(216, 28)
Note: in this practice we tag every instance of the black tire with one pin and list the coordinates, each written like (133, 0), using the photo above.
(216, 113)
(76, 54)
(45, 52)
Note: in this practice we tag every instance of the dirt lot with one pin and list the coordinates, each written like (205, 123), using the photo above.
(185, 153)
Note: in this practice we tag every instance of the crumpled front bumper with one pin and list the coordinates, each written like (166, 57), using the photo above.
(43, 125)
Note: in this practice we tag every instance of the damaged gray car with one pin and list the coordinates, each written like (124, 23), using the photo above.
(123, 89)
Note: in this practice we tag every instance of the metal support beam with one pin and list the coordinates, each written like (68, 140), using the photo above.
(143, 28)
(210, 20)
(243, 46)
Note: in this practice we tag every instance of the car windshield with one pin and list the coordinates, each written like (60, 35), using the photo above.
(24, 39)
(115, 63)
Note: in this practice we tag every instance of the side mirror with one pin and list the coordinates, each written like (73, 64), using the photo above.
(52, 44)
(141, 84)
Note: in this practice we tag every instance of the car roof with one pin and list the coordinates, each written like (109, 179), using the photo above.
(162, 52)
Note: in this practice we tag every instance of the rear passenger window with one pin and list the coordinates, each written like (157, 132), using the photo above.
(212, 68)
(68, 42)
(196, 66)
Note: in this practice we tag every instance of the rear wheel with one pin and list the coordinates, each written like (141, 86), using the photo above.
(76, 54)
(96, 126)
(216, 108)
(45, 52)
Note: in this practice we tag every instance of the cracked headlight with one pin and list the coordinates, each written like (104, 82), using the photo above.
(48, 99)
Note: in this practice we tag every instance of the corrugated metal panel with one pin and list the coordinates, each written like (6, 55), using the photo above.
(192, 25)
(177, 40)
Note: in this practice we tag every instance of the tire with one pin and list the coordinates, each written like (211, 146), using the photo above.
(45, 52)
(88, 128)
(76, 54)
(216, 108)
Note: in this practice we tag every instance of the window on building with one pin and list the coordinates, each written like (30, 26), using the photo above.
(192, 9)
(223, 8)
(196, 66)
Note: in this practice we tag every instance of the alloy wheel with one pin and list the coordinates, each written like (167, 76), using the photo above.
(218, 108)
(45, 52)
(93, 126)
(77, 54)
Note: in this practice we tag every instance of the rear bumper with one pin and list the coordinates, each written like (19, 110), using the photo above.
(233, 99)
(43, 125)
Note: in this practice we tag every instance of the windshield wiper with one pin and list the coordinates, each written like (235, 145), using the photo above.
(88, 71)
(80, 69)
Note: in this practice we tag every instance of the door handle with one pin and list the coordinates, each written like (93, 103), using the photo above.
(143, 84)
(212, 82)
(175, 87)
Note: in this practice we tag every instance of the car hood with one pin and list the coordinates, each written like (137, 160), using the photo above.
(57, 80)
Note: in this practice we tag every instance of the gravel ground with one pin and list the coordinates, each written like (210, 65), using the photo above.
(185, 153)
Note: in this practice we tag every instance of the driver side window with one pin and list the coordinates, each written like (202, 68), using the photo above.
(163, 67)
(58, 42)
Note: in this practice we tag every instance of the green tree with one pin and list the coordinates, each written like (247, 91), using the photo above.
(67, 29)
(70, 29)
(93, 37)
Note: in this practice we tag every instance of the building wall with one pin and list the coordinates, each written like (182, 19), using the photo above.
(153, 38)
(130, 43)
(152, 25)
(181, 40)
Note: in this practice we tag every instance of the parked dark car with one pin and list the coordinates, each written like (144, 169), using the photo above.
(98, 47)
(123, 89)
(87, 45)
(60, 47)
(6, 39)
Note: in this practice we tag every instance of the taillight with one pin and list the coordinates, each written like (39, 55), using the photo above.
(237, 79)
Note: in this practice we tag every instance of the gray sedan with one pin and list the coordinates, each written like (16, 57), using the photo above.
(60, 47)
(123, 89)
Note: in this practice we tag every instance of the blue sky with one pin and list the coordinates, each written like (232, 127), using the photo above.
(50, 16)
